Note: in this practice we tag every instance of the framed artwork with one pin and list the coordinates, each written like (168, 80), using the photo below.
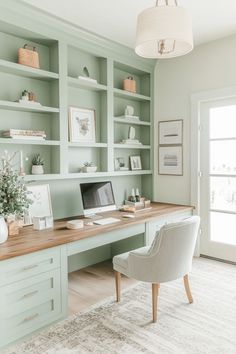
(171, 132)
(135, 163)
(82, 125)
(170, 160)
(41, 202)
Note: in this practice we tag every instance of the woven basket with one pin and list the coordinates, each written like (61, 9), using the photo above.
(28, 56)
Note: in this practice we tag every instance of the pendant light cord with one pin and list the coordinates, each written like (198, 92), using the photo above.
(167, 2)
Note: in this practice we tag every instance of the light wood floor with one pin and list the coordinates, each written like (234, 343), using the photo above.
(92, 285)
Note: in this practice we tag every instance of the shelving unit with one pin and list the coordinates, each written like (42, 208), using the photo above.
(58, 87)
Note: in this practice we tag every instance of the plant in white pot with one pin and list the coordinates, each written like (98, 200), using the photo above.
(14, 201)
(37, 165)
(89, 167)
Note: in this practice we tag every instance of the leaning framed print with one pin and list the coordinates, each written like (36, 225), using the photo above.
(171, 132)
(82, 125)
(135, 163)
(170, 161)
(40, 202)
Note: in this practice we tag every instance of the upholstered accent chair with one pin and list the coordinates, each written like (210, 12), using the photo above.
(168, 258)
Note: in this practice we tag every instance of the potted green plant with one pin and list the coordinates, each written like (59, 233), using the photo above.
(37, 165)
(14, 202)
(89, 167)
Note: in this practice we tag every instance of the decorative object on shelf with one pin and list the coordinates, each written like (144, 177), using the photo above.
(164, 31)
(119, 164)
(41, 205)
(171, 132)
(170, 160)
(28, 98)
(131, 138)
(43, 222)
(135, 163)
(28, 56)
(129, 114)
(14, 198)
(129, 84)
(37, 165)
(82, 125)
(89, 167)
(24, 134)
(86, 76)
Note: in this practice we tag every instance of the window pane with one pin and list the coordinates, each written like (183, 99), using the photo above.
(223, 193)
(223, 122)
(223, 228)
(223, 157)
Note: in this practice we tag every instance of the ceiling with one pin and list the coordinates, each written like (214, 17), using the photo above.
(116, 19)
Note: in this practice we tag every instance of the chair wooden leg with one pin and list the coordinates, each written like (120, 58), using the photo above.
(117, 277)
(187, 289)
(155, 291)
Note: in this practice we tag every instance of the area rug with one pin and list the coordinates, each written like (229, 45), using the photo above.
(206, 326)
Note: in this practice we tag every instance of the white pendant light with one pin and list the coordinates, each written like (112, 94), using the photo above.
(164, 31)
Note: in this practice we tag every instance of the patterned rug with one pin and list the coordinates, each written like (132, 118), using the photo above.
(206, 326)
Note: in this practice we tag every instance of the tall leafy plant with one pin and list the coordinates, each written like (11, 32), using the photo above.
(14, 197)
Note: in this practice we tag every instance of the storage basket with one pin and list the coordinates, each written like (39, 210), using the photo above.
(129, 84)
(28, 56)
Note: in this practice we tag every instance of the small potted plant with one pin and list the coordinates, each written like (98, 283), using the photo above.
(89, 167)
(37, 165)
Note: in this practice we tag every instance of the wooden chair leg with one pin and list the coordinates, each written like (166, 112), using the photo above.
(187, 289)
(155, 291)
(117, 278)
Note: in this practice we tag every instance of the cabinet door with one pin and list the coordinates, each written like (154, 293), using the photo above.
(155, 225)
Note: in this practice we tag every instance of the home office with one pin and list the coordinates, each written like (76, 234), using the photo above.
(99, 206)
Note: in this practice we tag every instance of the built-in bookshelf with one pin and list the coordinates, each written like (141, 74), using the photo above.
(57, 87)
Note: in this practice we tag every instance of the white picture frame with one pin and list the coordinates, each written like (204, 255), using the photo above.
(171, 132)
(82, 125)
(170, 161)
(41, 202)
(135, 163)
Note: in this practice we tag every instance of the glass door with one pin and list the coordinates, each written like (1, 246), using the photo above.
(218, 179)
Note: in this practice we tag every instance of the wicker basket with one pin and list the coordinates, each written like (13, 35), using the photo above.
(129, 84)
(28, 56)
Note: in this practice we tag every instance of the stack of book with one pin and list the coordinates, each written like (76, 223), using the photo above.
(24, 134)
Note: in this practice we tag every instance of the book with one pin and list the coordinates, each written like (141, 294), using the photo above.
(134, 118)
(29, 103)
(25, 137)
(20, 132)
(131, 142)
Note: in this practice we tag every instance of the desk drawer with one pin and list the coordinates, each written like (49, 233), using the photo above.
(21, 296)
(153, 226)
(19, 325)
(19, 268)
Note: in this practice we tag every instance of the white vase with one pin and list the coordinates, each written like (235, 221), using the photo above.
(3, 230)
(37, 170)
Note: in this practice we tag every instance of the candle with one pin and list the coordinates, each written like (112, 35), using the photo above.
(22, 172)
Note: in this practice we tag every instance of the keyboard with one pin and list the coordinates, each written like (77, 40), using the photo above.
(106, 221)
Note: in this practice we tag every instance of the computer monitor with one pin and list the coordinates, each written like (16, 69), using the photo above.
(97, 197)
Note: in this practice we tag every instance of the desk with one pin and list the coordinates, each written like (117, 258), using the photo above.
(34, 269)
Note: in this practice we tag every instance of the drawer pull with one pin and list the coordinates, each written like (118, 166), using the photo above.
(30, 318)
(30, 294)
(32, 266)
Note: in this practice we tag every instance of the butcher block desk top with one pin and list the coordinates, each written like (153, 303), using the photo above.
(30, 240)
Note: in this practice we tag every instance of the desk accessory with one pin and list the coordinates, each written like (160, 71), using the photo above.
(75, 224)
(42, 222)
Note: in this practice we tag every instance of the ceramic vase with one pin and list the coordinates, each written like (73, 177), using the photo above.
(3, 230)
(37, 170)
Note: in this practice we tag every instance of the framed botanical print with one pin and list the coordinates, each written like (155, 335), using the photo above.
(82, 125)
(41, 202)
(171, 132)
(170, 160)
